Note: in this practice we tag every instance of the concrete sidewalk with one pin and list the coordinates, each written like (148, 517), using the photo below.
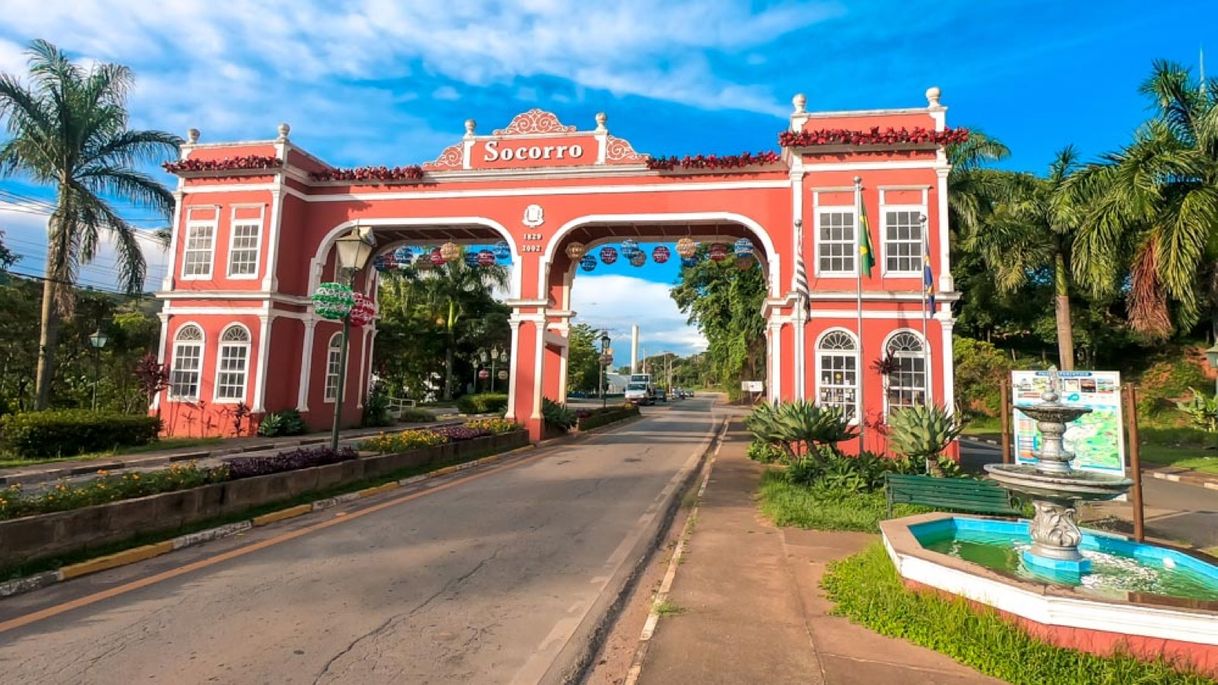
(750, 610)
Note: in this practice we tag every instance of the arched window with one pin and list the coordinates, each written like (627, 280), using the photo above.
(334, 354)
(187, 363)
(837, 364)
(907, 381)
(232, 364)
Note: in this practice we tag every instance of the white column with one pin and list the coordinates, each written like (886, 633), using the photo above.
(361, 383)
(634, 348)
(264, 346)
(539, 324)
(562, 373)
(947, 284)
(162, 352)
(513, 360)
(371, 348)
(306, 359)
(949, 365)
(776, 335)
(171, 267)
(270, 280)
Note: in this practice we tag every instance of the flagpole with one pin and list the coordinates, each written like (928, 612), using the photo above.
(858, 301)
(927, 284)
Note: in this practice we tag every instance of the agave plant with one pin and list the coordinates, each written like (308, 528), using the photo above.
(923, 432)
(803, 423)
(763, 423)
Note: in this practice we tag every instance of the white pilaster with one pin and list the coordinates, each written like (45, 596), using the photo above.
(539, 360)
(467, 144)
(264, 346)
(160, 350)
(947, 284)
(515, 362)
(270, 280)
(776, 337)
(306, 359)
(167, 282)
(949, 364)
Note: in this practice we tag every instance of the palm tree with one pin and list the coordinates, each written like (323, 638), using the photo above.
(972, 186)
(1154, 208)
(1031, 230)
(450, 291)
(68, 129)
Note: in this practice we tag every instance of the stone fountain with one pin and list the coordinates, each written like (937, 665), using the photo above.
(1055, 488)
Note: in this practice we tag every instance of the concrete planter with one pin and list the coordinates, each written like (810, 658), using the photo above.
(49, 535)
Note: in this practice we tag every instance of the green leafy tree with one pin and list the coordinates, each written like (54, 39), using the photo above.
(69, 129)
(583, 358)
(1153, 209)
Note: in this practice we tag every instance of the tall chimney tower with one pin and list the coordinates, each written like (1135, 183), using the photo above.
(634, 348)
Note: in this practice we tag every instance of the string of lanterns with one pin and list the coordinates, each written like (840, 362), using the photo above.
(424, 258)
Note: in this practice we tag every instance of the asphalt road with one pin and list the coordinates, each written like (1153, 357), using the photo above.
(480, 579)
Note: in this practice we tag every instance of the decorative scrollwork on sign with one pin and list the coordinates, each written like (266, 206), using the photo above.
(621, 151)
(453, 157)
(535, 121)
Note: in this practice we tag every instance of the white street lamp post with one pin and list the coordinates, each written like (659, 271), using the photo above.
(353, 251)
(98, 341)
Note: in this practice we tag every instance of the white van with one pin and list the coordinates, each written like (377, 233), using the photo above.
(639, 392)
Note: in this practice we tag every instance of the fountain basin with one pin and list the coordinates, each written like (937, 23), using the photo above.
(1080, 485)
(1142, 618)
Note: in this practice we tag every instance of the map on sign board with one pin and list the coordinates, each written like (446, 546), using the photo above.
(1096, 438)
(752, 386)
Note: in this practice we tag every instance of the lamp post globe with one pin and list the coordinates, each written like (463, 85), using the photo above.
(97, 341)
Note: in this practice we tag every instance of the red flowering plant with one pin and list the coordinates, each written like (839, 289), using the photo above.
(875, 136)
(713, 162)
(242, 163)
(412, 173)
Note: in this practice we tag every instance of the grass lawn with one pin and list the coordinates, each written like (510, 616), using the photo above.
(795, 505)
(867, 590)
(990, 426)
(1198, 459)
(7, 461)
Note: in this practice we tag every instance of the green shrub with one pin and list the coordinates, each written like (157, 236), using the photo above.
(106, 488)
(1201, 410)
(286, 422)
(557, 415)
(482, 403)
(415, 415)
(765, 452)
(920, 433)
(980, 368)
(376, 408)
(68, 432)
(819, 507)
(800, 424)
(1166, 381)
(867, 590)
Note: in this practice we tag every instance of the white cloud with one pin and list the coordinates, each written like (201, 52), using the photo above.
(617, 302)
(445, 93)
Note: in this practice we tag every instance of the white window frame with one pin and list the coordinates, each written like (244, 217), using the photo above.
(333, 347)
(214, 226)
(924, 356)
(201, 346)
(852, 212)
(920, 210)
(221, 345)
(852, 354)
(233, 223)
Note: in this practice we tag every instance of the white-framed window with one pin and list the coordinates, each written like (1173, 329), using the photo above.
(243, 248)
(334, 354)
(232, 364)
(836, 247)
(903, 240)
(907, 382)
(198, 250)
(187, 363)
(837, 372)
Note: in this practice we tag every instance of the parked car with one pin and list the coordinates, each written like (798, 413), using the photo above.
(662, 394)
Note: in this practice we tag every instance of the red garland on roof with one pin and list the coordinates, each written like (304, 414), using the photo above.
(746, 159)
(889, 136)
(224, 164)
(413, 172)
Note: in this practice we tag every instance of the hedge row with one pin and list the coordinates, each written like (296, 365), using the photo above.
(68, 432)
(482, 403)
(587, 420)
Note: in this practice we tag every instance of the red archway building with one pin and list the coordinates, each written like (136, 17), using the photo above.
(256, 222)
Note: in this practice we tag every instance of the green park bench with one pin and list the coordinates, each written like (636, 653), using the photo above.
(957, 494)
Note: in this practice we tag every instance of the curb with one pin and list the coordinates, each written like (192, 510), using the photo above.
(1187, 478)
(130, 556)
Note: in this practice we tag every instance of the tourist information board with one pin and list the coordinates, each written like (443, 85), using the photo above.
(1096, 438)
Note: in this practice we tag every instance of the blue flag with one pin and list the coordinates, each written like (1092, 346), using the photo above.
(928, 278)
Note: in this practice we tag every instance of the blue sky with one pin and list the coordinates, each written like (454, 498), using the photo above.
(391, 82)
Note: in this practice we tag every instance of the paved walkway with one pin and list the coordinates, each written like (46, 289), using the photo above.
(751, 607)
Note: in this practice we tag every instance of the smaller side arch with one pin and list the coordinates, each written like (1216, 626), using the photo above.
(912, 382)
(188, 334)
(837, 369)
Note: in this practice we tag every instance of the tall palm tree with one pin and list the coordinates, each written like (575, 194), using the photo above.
(971, 185)
(68, 129)
(1031, 230)
(1154, 207)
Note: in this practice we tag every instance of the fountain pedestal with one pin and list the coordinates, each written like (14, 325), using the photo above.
(1055, 489)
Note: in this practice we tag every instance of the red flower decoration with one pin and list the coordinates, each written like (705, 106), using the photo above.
(363, 311)
(371, 174)
(245, 162)
(875, 136)
(714, 162)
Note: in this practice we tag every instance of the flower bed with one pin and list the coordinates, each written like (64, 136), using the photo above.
(303, 458)
(106, 488)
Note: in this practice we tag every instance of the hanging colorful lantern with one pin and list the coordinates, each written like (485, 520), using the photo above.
(687, 248)
(660, 254)
(437, 257)
(403, 255)
(378, 263)
(629, 247)
(423, 263)
(363, 311)
(689, 262)
(718, 252)
(471, 258)
(587, 263)
(743, 247)
(637, 258)
(333, 301)
(608, 255)
(503, 250)
(450, 251)
(744, 263)
(486, 258)
(576, 251)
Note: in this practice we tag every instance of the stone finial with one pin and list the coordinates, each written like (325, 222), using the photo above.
(192, 136)
(470, 125)
(284, 130)
(801, 103)
(932, 97)
(601, 118)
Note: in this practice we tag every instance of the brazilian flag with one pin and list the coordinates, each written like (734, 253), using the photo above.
(866, 256)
